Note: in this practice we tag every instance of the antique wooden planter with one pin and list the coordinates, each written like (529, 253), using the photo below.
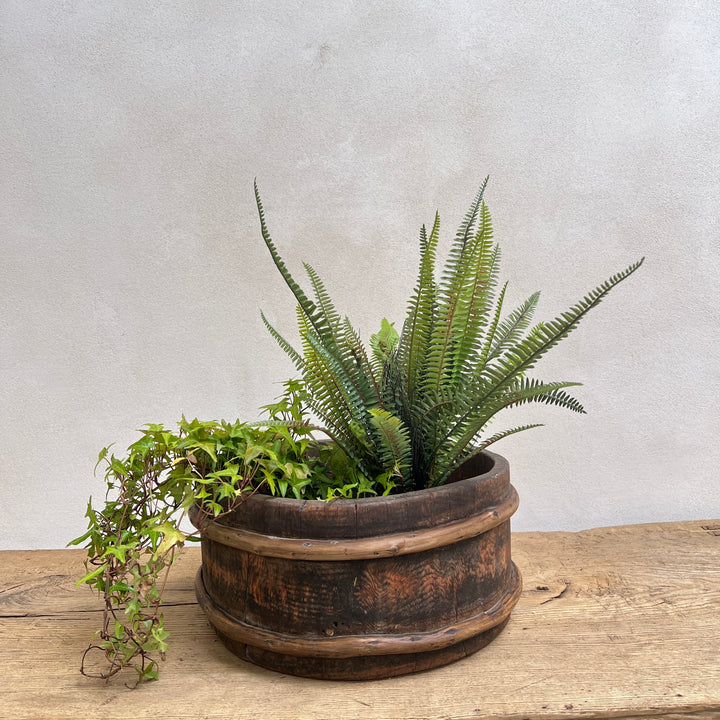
(364, 589)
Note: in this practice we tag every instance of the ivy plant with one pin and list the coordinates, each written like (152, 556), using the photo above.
(211, 466)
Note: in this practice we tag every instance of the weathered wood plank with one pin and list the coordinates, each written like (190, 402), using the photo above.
(613, 623)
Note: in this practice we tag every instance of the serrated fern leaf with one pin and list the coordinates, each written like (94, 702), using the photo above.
(464, 233)
(393, 437)
(305, 303)
(325, 395)
(394, 390)
(479, 447)
(473, 316)
(337, 384)
(523, 355)
(548, 393)
(493, 327)
(384, 342)
(418, 325)
(308, 306)
(369, 379)
(284, 344)
(325, 307)
(510, 329)
(522, 390)
(463, 273)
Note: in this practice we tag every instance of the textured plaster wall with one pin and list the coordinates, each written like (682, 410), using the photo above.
(132, 271)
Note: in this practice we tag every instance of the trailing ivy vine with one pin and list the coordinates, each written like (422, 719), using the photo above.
(133, 540)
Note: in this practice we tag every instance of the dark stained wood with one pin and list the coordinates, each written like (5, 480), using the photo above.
(322, 600)
(368, 517)
(331, 645)
(308, 547)
(320, 586)
(363, 667)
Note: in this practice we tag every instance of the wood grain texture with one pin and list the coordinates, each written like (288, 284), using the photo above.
(385, 515)
(330, 645)
(613, 623)
(364, 548)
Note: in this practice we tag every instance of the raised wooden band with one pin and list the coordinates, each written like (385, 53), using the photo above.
(341, 646)
(363, 548)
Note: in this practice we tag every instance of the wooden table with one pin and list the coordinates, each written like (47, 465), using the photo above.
(619, 622)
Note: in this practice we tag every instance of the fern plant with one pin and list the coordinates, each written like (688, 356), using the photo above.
(418, 403)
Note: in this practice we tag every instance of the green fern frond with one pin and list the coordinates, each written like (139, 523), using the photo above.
(493, 327)
(341, 341)
(325, 395)
(463, 235)
(393, 437)
(384, 343)
(523, 355)
(418, 325)
(473, 318)
(325, 307)
(284, 344)
(307, 305)
(332, 378)
(369, 379)
(510, 329)
(532, 390)
(467, 261)
(394, 390)
(521, 390)
(480, 447)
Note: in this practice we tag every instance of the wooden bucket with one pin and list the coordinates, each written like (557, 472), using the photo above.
(364, 589)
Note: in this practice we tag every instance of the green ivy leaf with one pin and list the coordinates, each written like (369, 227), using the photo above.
(171, 537)
(92, 575)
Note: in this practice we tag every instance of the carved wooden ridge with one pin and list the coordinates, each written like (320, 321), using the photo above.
(340, 646)
(364, 548)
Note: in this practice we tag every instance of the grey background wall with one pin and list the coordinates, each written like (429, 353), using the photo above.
(132, 270)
